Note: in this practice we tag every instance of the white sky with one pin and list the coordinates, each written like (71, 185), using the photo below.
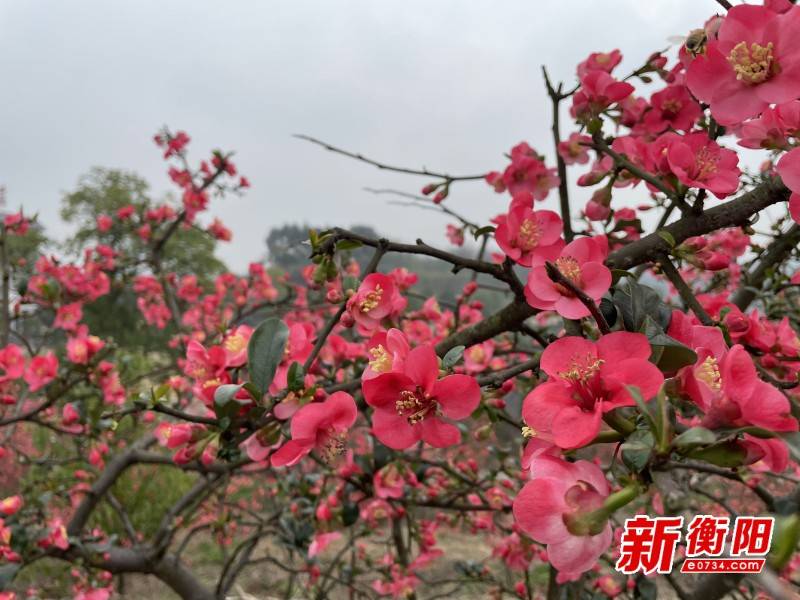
(448, 84)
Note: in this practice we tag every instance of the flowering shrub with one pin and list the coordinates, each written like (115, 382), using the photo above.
(364, 439)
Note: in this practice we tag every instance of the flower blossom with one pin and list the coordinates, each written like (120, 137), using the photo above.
(586, 380)
(318, 426)
(752, 63)
(549, 508)
(410, 405)
(581, 262)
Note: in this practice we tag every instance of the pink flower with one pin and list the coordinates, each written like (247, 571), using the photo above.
(126, 212)
(218, 231)
(598, 91)
(789, 170)
(529, 237)
(550, 504)
(478, 357)
(235, 345)
(82, 347)
(298, 348)
(387, 352)
(390, 481)
(580, 261)
(587, 379)
(765, 454)
(754, 62)
(56, 536)
(726, 386)
(261, 443)
(68, 316)
(322, 541)
(104, 223)
(455, 235)
(600, 61)
(321, 426)
(373, 301)
(698, 161)
(10, 505)
(574, 149)
(770, 130)
(409, 406)
(528, 173)
(174, 435)
(41, 371)
(12, 362)
(673, 107)
(69, 415)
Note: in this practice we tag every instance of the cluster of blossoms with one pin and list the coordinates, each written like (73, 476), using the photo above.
(358, 418)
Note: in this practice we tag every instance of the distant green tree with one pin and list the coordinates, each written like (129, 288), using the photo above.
(189, 250)
(104, 192)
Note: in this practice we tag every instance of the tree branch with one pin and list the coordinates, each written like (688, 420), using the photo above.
(385, 167)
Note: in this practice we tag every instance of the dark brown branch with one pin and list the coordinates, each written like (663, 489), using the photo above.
(563, 189)
(778, 251)
(496, 378)
(505, 319)
(731, 213)
(459, 262)
(684, 290)
(114, 468)
(600, 145)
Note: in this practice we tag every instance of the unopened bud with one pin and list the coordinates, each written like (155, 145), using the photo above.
(347, 320)
(334, 296)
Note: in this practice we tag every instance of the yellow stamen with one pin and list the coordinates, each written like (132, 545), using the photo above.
(708, 373)
(371, 299)
(381, 359)
(529, 234)
(754, 64)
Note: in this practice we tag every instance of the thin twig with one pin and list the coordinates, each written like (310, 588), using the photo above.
(684, 290)
(360, 157)
(558, 277)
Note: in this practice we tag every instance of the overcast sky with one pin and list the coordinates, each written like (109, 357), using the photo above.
(448, 84)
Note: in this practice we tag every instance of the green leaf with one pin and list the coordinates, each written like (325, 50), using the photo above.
(668, 353)
(343, 245)
(595, 126)
(642, 404)
(452, 357)
(226, 405)
(667, 237)
(225, 393)
(636, 301)
(265, 352)
(160, 392)
(724, 454)
(350, 514)
(637, 449)
(696, 436)
(295, 377)
(618, 274)
(609, 311)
